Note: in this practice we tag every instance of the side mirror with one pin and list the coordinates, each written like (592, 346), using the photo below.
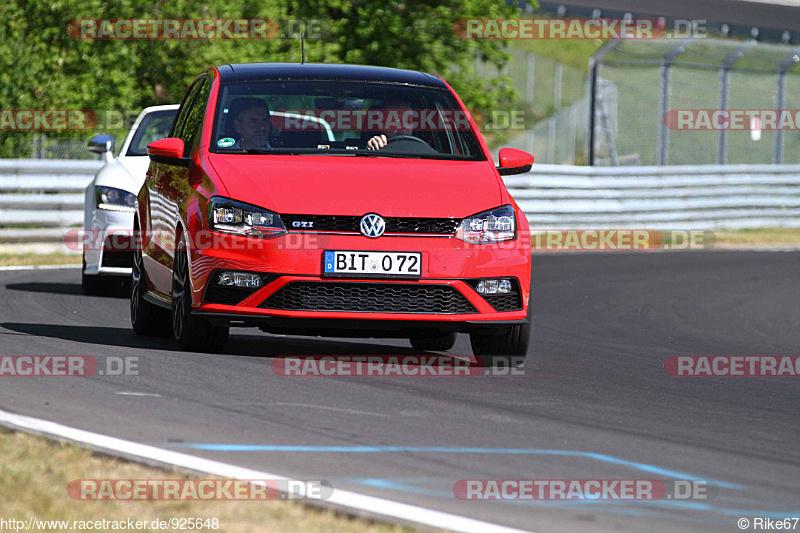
(103, 145)
(168, 151)
(513, 161)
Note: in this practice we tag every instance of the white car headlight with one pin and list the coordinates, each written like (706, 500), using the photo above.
(238, 218)
(111, 199)
(495, 225)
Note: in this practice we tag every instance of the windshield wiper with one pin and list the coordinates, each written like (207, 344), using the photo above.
(260, 151)
(376, 153)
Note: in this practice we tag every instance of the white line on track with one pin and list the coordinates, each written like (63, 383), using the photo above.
(327, 408)
(354, 503)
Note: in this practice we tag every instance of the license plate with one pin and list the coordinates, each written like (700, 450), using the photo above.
(344, 263)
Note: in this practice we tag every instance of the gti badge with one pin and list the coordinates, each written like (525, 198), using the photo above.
(372, 225)
(303, 224)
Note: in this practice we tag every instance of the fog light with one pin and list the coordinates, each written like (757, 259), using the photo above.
(239, 279)
(494, 286)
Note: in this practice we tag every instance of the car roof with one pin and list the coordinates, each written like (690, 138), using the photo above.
(320, 71)
(152, 108)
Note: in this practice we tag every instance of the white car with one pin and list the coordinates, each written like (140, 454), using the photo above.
(110, 199)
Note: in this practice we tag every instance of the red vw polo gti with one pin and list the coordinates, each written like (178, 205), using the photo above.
(331, 200)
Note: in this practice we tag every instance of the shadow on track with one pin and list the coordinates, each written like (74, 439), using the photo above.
(102, 335)
(49, 288)
(239, 345)
(113, 289)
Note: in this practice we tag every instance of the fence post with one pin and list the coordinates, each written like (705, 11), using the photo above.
(725, 70)
(37, 151)
(594, 65)
(551, 141)
(663, 131)
(530, 80)
(557, 83)
(780, 103)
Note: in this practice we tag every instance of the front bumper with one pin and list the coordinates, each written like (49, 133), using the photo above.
(296, 296)
(107, 245)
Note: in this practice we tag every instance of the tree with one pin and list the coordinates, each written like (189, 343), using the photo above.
(43, 67)
(413, 34)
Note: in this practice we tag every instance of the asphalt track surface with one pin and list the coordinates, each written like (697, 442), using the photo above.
(595, 401)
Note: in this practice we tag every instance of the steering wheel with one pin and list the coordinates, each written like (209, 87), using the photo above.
(406, 138)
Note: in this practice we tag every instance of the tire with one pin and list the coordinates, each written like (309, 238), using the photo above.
(437, 343)
(92, 285)
(504, 349)
(191, 333)
(147, 319)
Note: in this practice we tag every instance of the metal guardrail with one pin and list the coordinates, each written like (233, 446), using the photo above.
(669, 197)
(45, 197)
(40, 199)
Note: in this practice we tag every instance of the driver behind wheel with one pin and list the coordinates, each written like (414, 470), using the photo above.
(398, 134)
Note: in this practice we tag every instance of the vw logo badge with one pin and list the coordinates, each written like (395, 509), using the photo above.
(372, 225)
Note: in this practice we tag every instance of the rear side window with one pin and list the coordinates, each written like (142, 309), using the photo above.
(180, 120)
(190, 132)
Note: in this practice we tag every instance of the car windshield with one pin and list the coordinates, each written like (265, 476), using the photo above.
(342, 118)
(154, 126)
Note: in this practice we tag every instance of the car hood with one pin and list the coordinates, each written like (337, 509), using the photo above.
(126, 172)
(347, 185)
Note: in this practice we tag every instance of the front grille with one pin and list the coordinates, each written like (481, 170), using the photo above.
(351, 224)
(369, 298)
(117, 251)
(505, 302)
(501, 302)
(117, 259)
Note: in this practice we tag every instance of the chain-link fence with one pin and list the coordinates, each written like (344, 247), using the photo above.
(553, 103)
(706, 83)
(44, 147)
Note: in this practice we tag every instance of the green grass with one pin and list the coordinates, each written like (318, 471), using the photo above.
(573, 53)
(39, 259)
(758, 237)
(36, 472)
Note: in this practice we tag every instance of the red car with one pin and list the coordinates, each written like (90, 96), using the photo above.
(331, 200)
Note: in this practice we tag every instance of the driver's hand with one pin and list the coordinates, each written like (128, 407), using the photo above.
(377, 142)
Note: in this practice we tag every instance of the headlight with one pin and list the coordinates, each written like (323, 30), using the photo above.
(229, 216)
(112, 199)
(495, 225)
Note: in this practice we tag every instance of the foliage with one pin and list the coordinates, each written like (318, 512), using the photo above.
(43, 67)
